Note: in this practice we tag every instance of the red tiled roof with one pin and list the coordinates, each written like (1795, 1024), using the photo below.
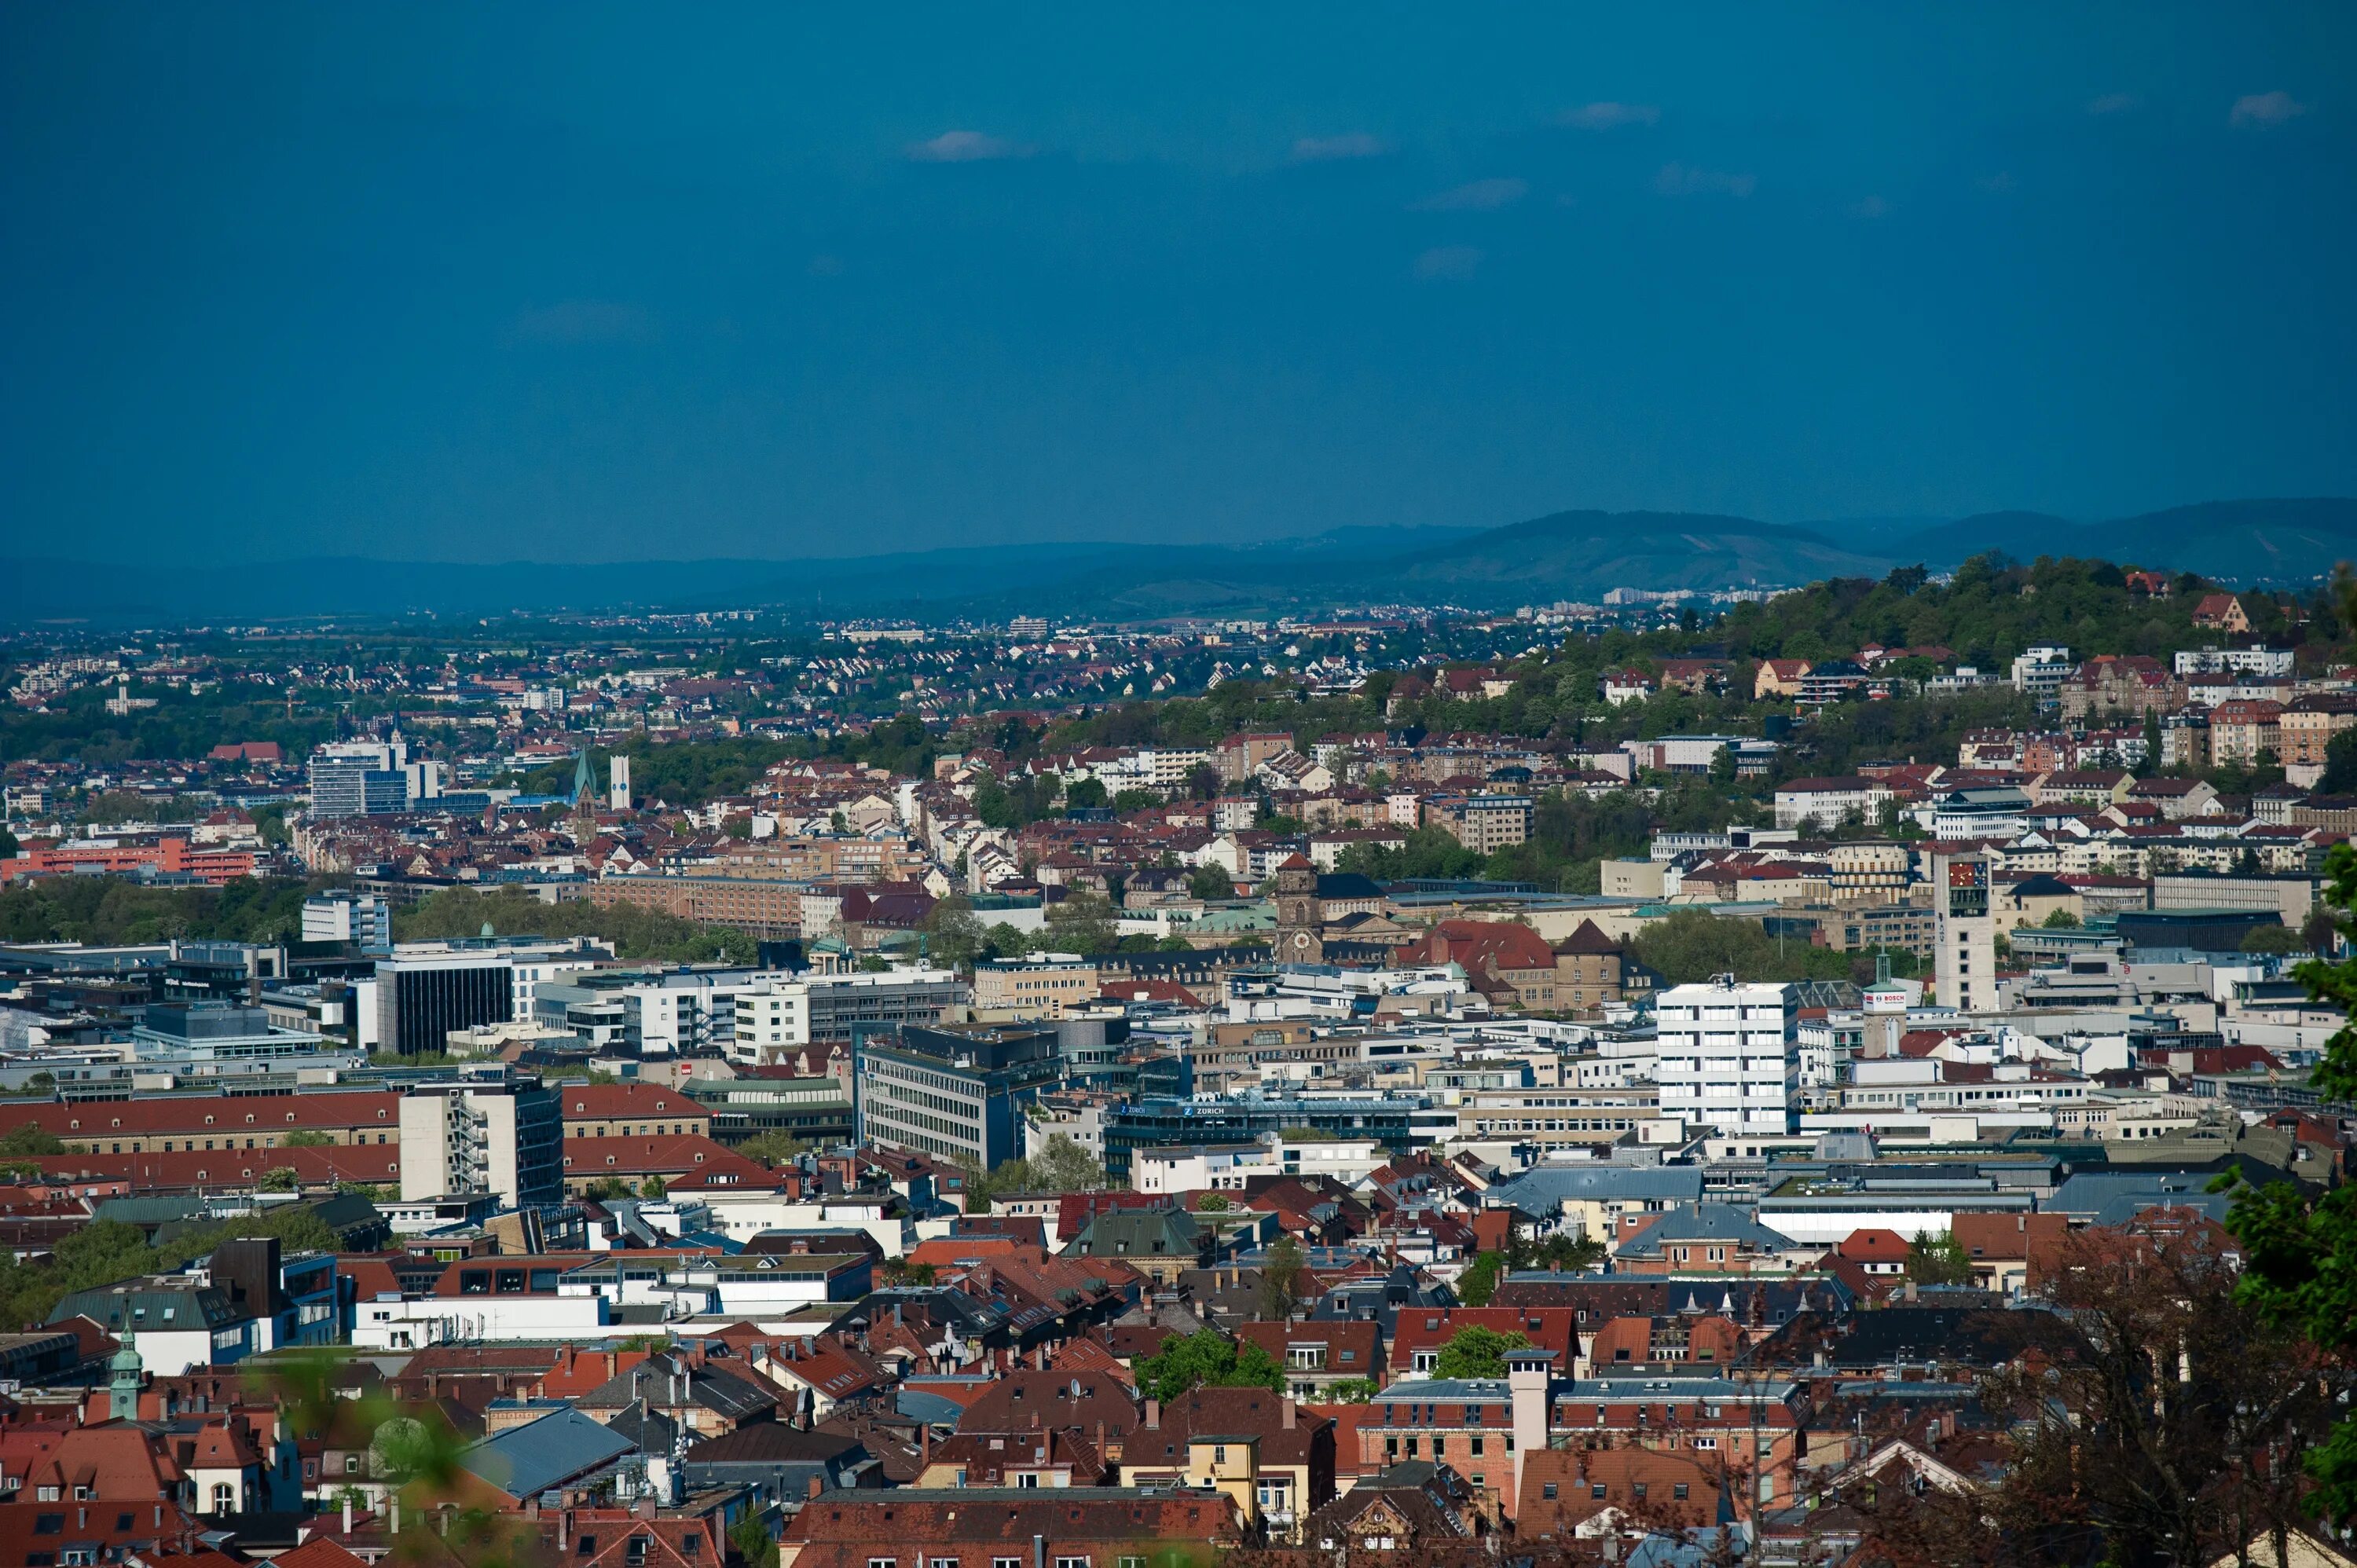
(221, 1115)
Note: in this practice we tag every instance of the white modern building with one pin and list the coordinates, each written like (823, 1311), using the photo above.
(2257, 659)
(1729, 1056)
(364, 920)
(2041, 671)
(782, 1013)
(488, 1130)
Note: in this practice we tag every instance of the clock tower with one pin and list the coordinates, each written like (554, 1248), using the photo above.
(1300, 916)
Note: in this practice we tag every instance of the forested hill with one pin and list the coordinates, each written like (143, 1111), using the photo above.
(1994, 610)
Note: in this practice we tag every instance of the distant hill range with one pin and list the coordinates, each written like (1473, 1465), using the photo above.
(1572, 555)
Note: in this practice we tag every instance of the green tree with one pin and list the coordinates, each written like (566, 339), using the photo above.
(2339, 764)
(2300, 1251)
(1478, 1283)
(1211, 882)
(1062, 1165)
(1477, 1352)
(1206, 1358)
(1285, 1279)
(755, 1541)
(1693, 945)
(1082, 923)
(2060, 920)
(31, 1138)
(2274, 939)
(954, 933)
(1937, 1258)
(278, 1178)
(1351, 1391)
(305, 1138)
(900, 1272)
(775, 1148)
(297, 1226)
(101, 1253)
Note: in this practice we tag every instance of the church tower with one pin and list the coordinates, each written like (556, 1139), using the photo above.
(1300, 916)
(123, 1371)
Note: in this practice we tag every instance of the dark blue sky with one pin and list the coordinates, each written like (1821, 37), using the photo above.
(494, 283)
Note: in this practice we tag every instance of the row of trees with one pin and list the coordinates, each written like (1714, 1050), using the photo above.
(108, 910)
(636, 932)
(107, 1250)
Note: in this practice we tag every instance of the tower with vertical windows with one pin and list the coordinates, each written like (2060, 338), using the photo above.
(1965, 958)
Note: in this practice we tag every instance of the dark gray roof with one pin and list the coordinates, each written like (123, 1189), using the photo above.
(1541, 1192)
(1704, 1222)
(669, 1378)
(1138, 1233)
(772, 1443)
(525, 1461)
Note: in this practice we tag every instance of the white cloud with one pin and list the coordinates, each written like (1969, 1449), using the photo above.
(1481, 196)
(965, 147)
(2114, 104)
(1679, 179)
(1454, 263)
(1608, 116)
(2265, 109)
(1325, 149)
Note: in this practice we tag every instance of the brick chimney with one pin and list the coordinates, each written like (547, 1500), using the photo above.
(1287, 1405)
(1154, 1416)
(817, 1486)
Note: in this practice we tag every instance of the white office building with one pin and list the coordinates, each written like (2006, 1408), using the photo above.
(783, 1013)
(363, 919)
(1729, 1056)
(487, 1131)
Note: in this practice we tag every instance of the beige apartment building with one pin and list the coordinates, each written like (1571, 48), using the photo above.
(1040, 987)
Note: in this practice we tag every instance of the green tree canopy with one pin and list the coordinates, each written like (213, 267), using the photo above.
(1210, 881)
(1937, 1258)
(2300, 1262)
(1082, 923)
(1207, 1358)
(1285, 1279)
(1477, 1352)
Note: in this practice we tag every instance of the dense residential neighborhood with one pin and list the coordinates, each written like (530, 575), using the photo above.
(1620, 1096)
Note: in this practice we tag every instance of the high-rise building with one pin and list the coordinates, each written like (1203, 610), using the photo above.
(1729, 1054)
(414, 1002)
(363, 919)
(489, 1129)
(361, 778)
(955, 1092)
(1965, 955)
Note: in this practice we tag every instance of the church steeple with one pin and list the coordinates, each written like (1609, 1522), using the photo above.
(1301, 913)
(124, 1372)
